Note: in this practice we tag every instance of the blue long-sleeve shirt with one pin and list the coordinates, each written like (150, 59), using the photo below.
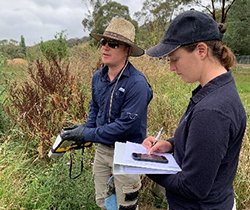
(206, 145)
(128, 118)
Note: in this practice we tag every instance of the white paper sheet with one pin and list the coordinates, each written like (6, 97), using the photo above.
(125, 164)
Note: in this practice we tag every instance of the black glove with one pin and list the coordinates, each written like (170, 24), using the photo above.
(74, 133)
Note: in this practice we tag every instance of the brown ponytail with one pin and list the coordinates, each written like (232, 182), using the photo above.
(223, 54)
(221, 51)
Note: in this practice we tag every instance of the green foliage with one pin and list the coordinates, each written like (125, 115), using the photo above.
(11, 49)
(155, 17)
(42, 185)
(75, 41)
(23, 46)
(157, 11)
(103, 14)
(3, 61)
(89, 22)
(237, 36)
(55, 49)
(48, 101)
(2, 121)
(242, 180)
(216, 8)
(31, 183)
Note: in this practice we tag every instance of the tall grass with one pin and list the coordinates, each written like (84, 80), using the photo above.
(242, 180)
(28, 182)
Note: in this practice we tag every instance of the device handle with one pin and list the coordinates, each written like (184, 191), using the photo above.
(71, 165)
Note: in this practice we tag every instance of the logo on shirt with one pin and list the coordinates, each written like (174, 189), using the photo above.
(122, 89)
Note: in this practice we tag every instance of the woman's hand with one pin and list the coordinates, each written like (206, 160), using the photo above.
(160, 146)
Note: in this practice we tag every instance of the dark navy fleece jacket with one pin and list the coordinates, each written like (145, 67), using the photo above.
(206, 145)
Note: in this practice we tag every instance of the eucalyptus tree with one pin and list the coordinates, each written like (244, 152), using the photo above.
(105, 13)
(92, 7)
(154, 18)
(155, 15)
(237, 36)
(100, 12)
(218, 9)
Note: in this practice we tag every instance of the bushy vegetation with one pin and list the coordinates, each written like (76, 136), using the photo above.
(45, 96)
(29, 183)
(55, 50)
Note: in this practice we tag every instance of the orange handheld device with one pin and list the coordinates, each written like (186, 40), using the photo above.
(61, 146)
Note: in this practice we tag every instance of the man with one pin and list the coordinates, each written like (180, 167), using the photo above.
(118, 111)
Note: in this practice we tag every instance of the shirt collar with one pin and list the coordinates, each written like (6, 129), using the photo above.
(104, 72)
(200, 92)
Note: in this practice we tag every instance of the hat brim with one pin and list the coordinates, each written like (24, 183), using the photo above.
(161, 49)
(137, 51)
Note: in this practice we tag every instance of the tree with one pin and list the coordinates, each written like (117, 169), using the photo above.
(55, 49)
(215, 6)
(22, 46)
(10, 49)
(157, 10)
(92, 7)
(155, 16)
(218, 9)
(104, 14)
(237, 36)
(97, 20)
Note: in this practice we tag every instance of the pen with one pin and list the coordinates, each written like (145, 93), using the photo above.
(158, 136)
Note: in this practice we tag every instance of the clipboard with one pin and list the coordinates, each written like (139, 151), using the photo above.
(124, 164)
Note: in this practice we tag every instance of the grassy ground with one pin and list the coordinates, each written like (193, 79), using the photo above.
(28, 182)
(242, 180)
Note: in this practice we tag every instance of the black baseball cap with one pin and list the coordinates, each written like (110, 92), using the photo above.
(189, 27)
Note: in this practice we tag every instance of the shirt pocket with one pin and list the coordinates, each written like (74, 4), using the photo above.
(118, 100)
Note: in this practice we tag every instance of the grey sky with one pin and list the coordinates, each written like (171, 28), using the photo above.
(40, 20)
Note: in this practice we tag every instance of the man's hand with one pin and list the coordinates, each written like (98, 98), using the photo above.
(74, 133)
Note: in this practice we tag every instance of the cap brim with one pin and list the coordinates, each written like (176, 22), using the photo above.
(137, 51)
(161, 50)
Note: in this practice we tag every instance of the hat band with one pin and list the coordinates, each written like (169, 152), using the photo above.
(117, 36)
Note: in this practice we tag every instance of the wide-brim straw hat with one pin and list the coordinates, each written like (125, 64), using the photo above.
(121, 30)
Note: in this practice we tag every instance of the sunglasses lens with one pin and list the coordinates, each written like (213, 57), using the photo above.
(111, 43)
(103, 42)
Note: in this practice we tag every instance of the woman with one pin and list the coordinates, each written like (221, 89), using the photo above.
(207, 142)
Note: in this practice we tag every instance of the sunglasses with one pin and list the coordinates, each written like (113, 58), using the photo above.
(111, 43)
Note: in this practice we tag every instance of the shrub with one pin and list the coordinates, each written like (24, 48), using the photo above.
(55, 49)
(46, 102)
